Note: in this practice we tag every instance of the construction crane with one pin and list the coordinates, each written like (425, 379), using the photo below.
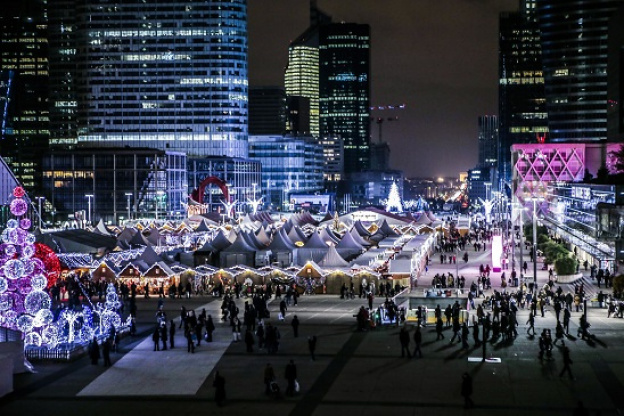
(381, 120)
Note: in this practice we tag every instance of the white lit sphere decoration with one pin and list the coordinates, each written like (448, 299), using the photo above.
(49, 336)
(30, 238)
(25, 323)
(29, 267)
(32, 338)
(43, 318)
(12, 223)
(38, 282)
(18, 207)
(37, 300)
(4, 285)
(28, 250)
(25, 224)
(10, 250)
(13, 269)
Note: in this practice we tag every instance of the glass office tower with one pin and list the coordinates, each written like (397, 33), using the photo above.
(574, 37)
(169, 75)
(24, 77)
(521, 96)
(344, 72)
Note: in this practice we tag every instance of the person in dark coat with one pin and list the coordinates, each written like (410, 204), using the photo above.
(249, 340)
(156, 338)
(405, 339)
(163, 336)
(172, 331)
(106, 348)
(418, 342)
(94, 351)
(566, 361)
(312, 346)
(210, 327)
(291, 376)
(466, 390)
(295, 325)
(219, 385)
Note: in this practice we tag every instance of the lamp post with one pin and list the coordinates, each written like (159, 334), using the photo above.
(89, 197)
(39, 199)
(534, 244)
(128, 195)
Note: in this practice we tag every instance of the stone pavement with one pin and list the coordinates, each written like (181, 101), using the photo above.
(354, 374)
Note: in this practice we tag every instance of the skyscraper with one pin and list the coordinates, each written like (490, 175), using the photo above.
(488, 141)
(169, 75)
(521, 96)
(301, 77)
(615, 71)
(344, 58)
(574, 38)
(24, 76)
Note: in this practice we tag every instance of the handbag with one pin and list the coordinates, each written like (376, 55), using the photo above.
(297, 386)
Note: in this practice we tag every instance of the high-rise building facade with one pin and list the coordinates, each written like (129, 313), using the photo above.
(574, 38)
(521, 97)
(488, 141)
(267, 110)
(301, 77)
(63, 44)
(615, 72)
(344, 73)
(24, 76)
(168, 75)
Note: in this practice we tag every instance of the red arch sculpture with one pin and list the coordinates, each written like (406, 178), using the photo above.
(198, 194)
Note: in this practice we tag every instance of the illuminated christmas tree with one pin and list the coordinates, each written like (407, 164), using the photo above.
(24, 279)
(393, 204)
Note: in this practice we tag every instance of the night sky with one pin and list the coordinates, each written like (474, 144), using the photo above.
(439, 57)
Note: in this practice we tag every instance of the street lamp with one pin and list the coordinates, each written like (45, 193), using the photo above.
(89, 197)
(39, 199)
(535, 241)
(128, 195)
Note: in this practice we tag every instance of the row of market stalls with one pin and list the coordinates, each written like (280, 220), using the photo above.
(257, 248)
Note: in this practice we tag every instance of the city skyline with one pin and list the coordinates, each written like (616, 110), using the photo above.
(443, 100)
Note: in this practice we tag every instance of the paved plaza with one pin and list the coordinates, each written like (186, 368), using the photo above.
(355, 373)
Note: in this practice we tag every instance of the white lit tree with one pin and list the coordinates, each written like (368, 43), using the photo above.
(393, 204)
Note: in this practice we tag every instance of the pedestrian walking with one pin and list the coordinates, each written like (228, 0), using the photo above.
(106, 348)
(531, 323)
(163, 335)
(210, 327)
(291, 377)
(439, 326)
(312, 346)
(466, 390)
(566, 361)
(249, 340)
(172, 330)
(219, 385)
(156, 338)
(417, 342)
(269, 377)
(94, 351)
(295, 326)
(404, 339)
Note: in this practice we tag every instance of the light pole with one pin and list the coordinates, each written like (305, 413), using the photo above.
(535, 244)
(128, 195)
(89, 197)
(39, 199)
